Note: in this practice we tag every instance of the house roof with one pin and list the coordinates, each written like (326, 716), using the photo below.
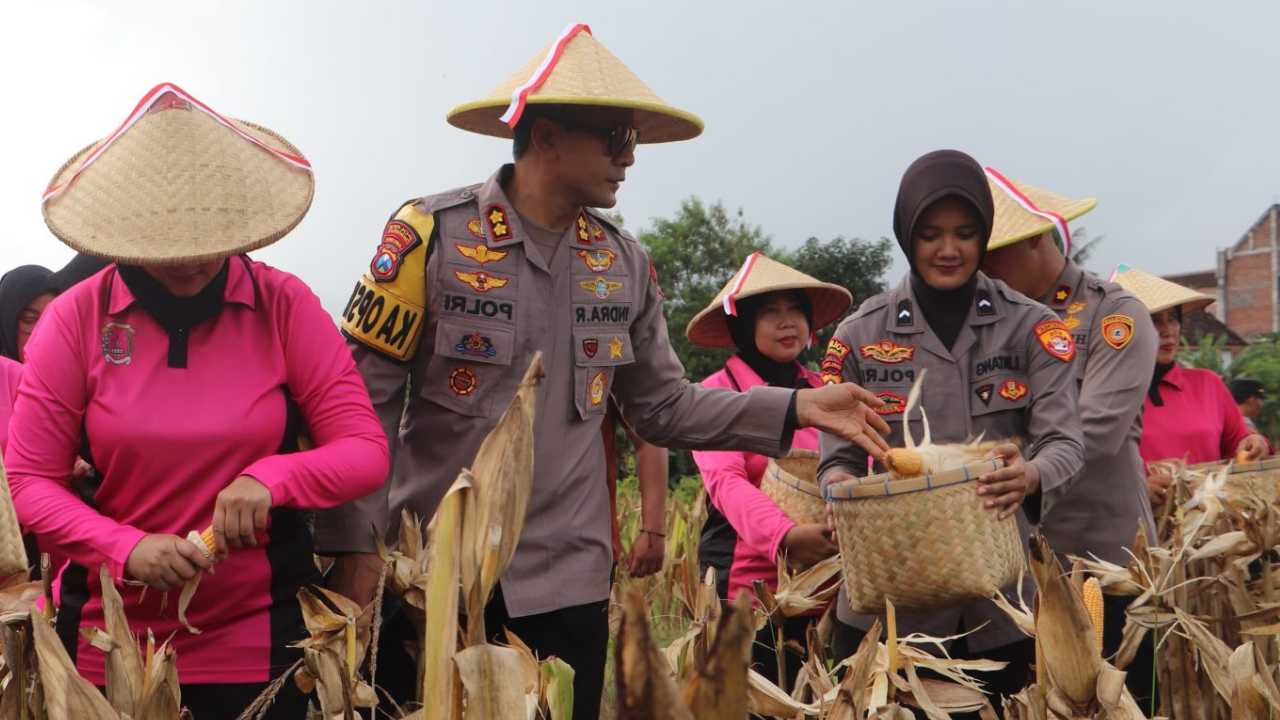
(1195, 280)
(1198, 324)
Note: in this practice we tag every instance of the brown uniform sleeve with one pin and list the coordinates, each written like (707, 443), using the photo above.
(838, 454)
(1116, 380)
(668, 411)
(1053, 442)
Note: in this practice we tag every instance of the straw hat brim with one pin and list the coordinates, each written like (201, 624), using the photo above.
(1012, 223)
(656, 122)
(710, 327)
(1158, 294)
(180, 189)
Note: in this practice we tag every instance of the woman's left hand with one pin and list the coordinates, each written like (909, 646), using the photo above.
(1002, 490)
(240, 513)
(1253, 447)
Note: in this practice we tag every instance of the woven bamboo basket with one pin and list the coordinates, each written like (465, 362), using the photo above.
(1255, 479)
(924, 542)
(13, 557)
(791, 482)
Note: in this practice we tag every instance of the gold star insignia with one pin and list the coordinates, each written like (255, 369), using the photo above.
(499, 229)
(496, 216)
(615, 348)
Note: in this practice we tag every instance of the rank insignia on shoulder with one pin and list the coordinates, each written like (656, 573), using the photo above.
(480, 252)
(481, 282)
(893, 403)
(595, 392)
(601, 288)
(984, 304)
(1012, 390)
(1117, 330)
(475, 227)
(587, 231)
(499, 228)
(1061, 295)
(1055, 338)
(905, 316)
(597, 260)
(476, 345)
(398, 239)
(984, 393)
(463, 381)
(888, 352)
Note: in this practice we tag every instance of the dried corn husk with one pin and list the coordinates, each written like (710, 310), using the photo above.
(498, 682)
(339, 636)
(805, 591)
(646, 689)
(441, 592)
(716, 689)
(501, 484)
(67, 696)
(1071, 653)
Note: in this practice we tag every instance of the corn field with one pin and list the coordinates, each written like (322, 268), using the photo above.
(1206, 592)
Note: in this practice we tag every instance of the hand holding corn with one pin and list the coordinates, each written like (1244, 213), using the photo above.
(1251, 449)
(165, 561)
(1002, 490)
(239, 514)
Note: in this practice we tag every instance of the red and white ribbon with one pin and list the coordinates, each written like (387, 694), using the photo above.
(730, 302)
(1119, 269)
(1012, 191)
(520, 95)
(166, 92)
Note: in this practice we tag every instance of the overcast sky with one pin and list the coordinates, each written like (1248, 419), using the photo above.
(1167, 112)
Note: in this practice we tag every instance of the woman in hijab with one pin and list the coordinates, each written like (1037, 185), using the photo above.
(768, 313)
(1189, 413)
(185, 373)
(999, 366)
(24, 293)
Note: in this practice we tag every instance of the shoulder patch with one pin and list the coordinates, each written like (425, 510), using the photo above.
(386, 309)
(1117, 330)
(833, 362)
(1055, 338)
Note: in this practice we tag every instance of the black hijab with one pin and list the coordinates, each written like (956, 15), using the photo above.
(1162, 369)
(18, 288)
(81, 267)
(177, 315)
(742, 328)
(932, 177)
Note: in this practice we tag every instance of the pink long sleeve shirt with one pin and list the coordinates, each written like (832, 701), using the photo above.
(1199, 420)
(167, 440)
(10, 376)
(733, 479)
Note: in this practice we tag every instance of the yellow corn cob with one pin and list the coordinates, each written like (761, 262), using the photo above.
(1091, 593)
(904, 462)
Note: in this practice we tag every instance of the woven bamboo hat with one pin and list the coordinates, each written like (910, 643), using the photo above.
(1025, 211)
(758, 275)
(1157, 293)
(576, 70)
(178, 183)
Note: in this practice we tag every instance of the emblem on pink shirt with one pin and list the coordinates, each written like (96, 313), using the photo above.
(117, 343)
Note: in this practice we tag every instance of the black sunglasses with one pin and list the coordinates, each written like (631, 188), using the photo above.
(618, 140)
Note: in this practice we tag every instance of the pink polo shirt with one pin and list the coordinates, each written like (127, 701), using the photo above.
(167, 440)
(733, 479)
(10, 376)
(1199, 420)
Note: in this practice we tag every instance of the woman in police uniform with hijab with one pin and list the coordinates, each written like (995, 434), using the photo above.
(999, 366)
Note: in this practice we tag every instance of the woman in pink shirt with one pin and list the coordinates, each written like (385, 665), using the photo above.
(185, 374)
(1189, 413)
(10, 376)
(775, 310)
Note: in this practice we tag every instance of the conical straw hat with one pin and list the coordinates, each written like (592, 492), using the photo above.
(758, 275)
(1016, 218)
(178, 183)
(1157, 293)
(585, 73)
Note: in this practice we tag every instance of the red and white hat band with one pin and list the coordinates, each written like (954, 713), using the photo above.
(166, 92)
(1059, 223)
(730, 302)
(520, 96)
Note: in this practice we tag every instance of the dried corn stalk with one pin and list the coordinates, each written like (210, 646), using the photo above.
(716, 686)
(501, 484)
(646, 688)
(498, 682)
(339, 633)
(67, 696)
(439, 691)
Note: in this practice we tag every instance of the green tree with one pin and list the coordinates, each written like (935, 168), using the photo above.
(1207, 354)
(856, 265)
(1082, 246)
(695, 253)
(1261, 361)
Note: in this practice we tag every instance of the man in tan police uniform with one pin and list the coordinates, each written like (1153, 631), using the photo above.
(1107, 506)
(467, 285)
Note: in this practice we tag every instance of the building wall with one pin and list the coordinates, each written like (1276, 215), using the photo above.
(1247, 281)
